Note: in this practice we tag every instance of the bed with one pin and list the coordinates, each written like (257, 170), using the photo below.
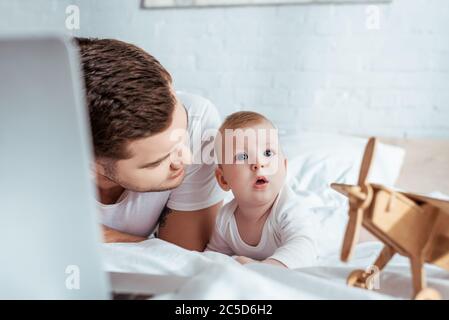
(315, 160)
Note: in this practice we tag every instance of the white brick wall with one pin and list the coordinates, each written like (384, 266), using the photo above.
(313, 67)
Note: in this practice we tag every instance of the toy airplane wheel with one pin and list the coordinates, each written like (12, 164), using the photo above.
(357, 278)
(428, 294)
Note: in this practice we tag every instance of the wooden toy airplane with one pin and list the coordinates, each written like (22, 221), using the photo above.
(412, 225)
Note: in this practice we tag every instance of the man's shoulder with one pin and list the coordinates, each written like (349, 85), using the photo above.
(200, 109)
(193, 101)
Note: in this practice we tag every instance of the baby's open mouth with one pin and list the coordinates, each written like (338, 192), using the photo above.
(260, 181)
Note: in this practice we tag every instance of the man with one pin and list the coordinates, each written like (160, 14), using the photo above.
(142, 167)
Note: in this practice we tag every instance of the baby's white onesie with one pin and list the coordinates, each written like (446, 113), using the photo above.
(287, 236)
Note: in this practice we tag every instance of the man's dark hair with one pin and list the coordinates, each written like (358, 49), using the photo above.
(128, 94)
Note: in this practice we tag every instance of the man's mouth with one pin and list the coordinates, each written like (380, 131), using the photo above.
(261, 182)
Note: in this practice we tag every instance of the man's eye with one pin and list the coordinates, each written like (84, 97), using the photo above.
(268, 153)
(241, 157)
(154, 165)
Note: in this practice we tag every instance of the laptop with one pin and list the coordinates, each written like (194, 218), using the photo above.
(50, 232)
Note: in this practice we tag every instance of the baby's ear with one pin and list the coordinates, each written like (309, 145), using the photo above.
(220, 178)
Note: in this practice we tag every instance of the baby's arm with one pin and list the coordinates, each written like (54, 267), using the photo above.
(244, 260)
(298, 248)
(274, 262)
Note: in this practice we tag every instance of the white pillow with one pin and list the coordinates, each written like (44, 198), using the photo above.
(315, 160)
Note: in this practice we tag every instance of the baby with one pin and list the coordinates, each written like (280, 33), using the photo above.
(265, 222)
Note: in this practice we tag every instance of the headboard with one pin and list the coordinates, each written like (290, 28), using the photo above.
(426, 164)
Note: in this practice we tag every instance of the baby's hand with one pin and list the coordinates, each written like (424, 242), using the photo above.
(244, 260)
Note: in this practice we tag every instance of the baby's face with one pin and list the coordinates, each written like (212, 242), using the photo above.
(253, 165)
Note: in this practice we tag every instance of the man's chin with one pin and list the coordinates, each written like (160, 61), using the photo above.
(166, 188)
(160, 188)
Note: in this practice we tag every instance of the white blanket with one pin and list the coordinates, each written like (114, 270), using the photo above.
(216, 276)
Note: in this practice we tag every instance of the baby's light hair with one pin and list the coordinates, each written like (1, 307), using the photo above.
(235, 121)
(242, 119)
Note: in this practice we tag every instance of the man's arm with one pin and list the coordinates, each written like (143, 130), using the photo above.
(189, 229)
(112, 235)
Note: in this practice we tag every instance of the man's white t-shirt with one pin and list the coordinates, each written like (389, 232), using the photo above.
(137, 213)
(289, 233)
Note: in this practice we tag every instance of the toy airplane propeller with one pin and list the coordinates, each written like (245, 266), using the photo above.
(411, 225)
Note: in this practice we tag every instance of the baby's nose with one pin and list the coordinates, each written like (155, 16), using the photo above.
(257, 166)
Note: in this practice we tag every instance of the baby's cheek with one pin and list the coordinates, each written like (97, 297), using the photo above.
(234, 172)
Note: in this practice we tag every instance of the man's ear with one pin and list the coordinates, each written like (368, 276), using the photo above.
(98, 167)
(220, 179)
(103, 167)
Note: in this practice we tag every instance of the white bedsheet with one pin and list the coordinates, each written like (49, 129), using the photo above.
(216, 276)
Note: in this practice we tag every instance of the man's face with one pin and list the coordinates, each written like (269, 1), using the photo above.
(157, 162)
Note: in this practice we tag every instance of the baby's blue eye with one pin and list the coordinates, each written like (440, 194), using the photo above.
(241, 157)
(268, 153)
